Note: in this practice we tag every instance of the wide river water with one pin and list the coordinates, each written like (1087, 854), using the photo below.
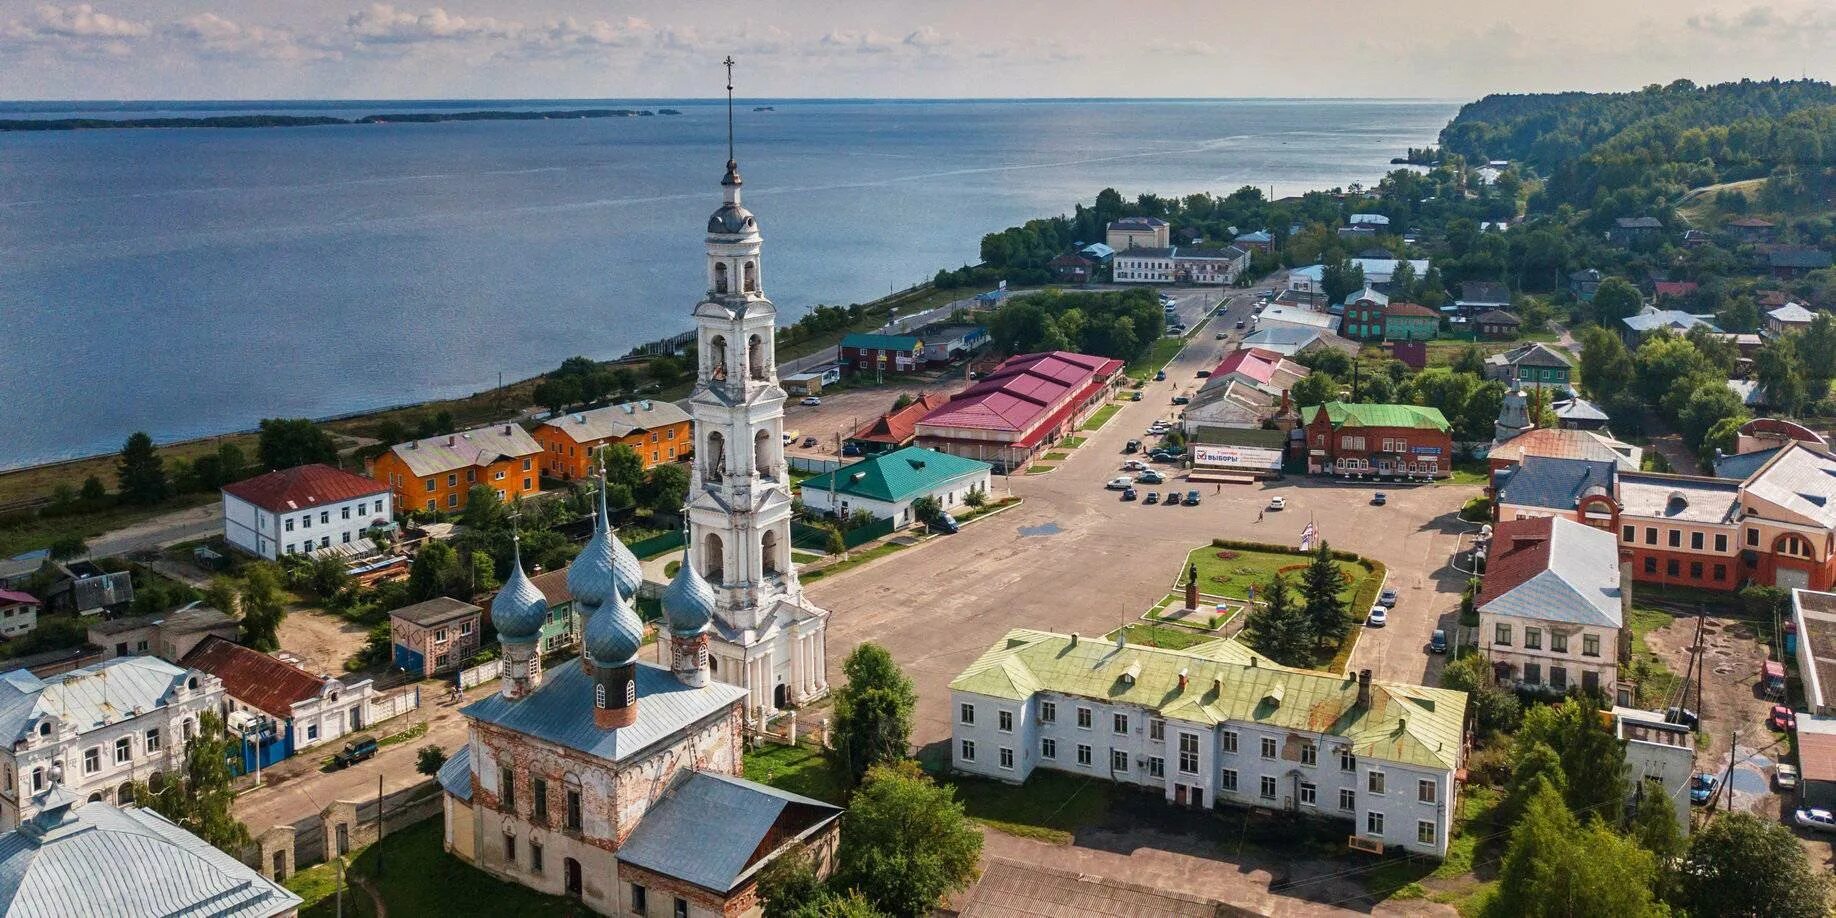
(189, 282)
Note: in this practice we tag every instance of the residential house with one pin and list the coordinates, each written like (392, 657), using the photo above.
(1583, 283)
(18, 613)
(658, 431)
(1791, 317)
(15, 571)
(811, 382)
(1247, 388)
(560, 631)
(1498, 325)
(1282, 314)
(104, 727)
(1787, 518)
(438, 473)
(1294, 340)
(1306, 279)
(1364, 312)
(887, 484)
(1666, 290)
(947, 343)
(276, 708)
(896, 428)
(1750, 230)
(1255, 240)
(1481, 296)
(1552, 607)
(297, 510)
(1138, 233)
(1533, 365)
(1380, 441)
(168, 636)
(435, 636)
(1634, 230)
(84, 588)
(875, 353)
(1378, 272)
(1695, 238)
(1098, 252)
(79, 859)
(1636, 330)
(1578, 414)
(1022, 406)
(1143, 266)
(1657, 750)
(1789, 261)
(1410, 322)
(1073, 268)
(1209, 267)
(1216, 724)
(1544, 486)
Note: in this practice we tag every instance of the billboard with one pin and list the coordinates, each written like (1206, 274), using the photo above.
(1239, 457)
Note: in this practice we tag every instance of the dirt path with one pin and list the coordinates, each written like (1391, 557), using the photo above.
(323, 641)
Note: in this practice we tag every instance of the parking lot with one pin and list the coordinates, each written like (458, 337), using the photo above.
(844, 410)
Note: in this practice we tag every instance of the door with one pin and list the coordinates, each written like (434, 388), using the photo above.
(1179, 794)
(570, 876)
(780, 696)
(1787, 578)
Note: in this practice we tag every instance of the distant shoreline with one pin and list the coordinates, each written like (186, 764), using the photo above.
(260, 121)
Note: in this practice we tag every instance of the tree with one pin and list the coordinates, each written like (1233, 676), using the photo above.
(1593, 761)
(327, 576)
(483, 510)
(428, 759)
(263, 606)
(1616, 299)
(1495, 709)
(975, 497)
(1654, 827)
(481, 573)
(1320, 585)
(1471, 360)
(199, 797)
(665, 488)
(834, 543)
(222, 594)
(1534, 764)
(927, 508)
(905, 841)
(1740, 864)
(1781, 375)
(435, 567)
(873, 711)
(287, 442)
(1279, 628)
(93, 489)
(790, 884)
(69, 546)
(1819, 347)
(1315, 388)
(624, 467)
(1709, 403)
(1555, 866)
(1606, 365)
(140, 474)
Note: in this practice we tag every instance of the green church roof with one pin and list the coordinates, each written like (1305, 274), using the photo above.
(896, 476)
(1359, 415)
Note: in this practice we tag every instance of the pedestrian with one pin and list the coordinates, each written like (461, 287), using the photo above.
(1220, 489)
(1259, 514)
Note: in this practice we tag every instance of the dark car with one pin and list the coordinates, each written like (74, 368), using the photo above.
(1437, 642)
(1134, 396)
(1239, 323)
(945, 523)
(1128, 494)
(1379, 499)
(809, 442)
(1132, 446)
(1192, 498)
(1160, 376)
(849, 449)
(1204, 374)
(1684, 716)
(1702, 787)
(1153, 497)
(1182, 399)
(357, 750)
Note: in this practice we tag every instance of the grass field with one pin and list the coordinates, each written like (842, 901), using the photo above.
(1162, 636)
(1163, 350)
(40, 533)
(419, 878)
(798, 769)
(1234, 577)
(1102, 416)
(1050, 806)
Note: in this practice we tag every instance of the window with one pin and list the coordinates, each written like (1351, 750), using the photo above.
(1083, 755)
(1753, 537)
(1721, 541)
(535, 857)
(1373, 824)
(1626, 533)
(639, 899)
(452, 479)
(1650, 535)
(1310, 753)
(1227, 780)
(1695, 541)
(1309, 795)
(681, 907)
(573, 809)
(1374, 783)
(440, 635)
(1157, 766)
(124, 750)
(509, 848)
(347, 538)
(1673, 567)
(1501, 635)
(38, 780)
(1188, 753)
(1048, 712)
(968, 751)
(92, 760)
(1533, 674)
(1650, 565)
(1048, 748)
(1268, 748)
(1006, 721)
(1558, 678)
(1118, 761)
(289, 525)
(1230, 741)
(1268, 787)
(452, 500)
(1424, 832)
(312, 731)
(1119, 723)
(429, 484)
(1007, 759)
(1347, 761)
(1533, 639)
(1425, 791)
(538, 792)
(465, 627)
(153, 740)
(1558, 642)
(1157, 730)
(1676, 538)
(506, 787)
(1348, 799)
(1721, 572)
(1083, 718)
(968, 714)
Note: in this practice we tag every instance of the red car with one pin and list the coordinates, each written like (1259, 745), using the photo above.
(1782, 719)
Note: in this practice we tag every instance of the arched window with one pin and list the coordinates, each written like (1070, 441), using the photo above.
(762, 454)
(755, 357)
(752, 277)
(768, 551)
(717, 358)
(720, 277)
(714, 466)
(124, 794)
(1795, 546)
(713, 555)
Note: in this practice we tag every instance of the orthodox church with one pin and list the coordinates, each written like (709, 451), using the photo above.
(615, 780)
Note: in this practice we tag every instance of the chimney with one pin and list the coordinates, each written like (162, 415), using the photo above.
(1286, 402)
(1183, 678)
(1364, 688)
(1217, 685)
(452, 440)
(506, 430)
(1253, 663)
(1074, 639)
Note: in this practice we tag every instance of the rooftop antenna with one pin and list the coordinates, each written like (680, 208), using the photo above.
(731, 162)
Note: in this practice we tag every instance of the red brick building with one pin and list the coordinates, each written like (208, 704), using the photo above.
(1377, 441)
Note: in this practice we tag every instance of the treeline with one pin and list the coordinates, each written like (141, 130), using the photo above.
(258, 121)
(1123, 325)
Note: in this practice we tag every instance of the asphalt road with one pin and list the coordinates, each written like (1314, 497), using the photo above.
(160, 531)
(1073, 557)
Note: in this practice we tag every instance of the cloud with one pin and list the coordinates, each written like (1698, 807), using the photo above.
(1183, 48)
(927, 39)
(79, 27)
(867, 42)
(383, 23)
(214, 36)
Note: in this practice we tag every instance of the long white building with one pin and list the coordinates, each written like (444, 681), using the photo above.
(302, 509)
(1217, 723)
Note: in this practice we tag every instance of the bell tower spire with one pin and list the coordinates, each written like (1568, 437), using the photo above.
(732, 162)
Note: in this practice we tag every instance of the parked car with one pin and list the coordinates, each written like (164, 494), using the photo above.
(1134, 465)
(1160, 376)
(946, 524)
(1240, 323)
(1785, 777)
(1223, 335)
(1378, 617)
(1437, 642)
(1683, 716)
(1816, 819)
(1149, 476)
(809, 442)
(1182, 400)
(1702, 787)
(1204, 374)
(1117, 484)
(1379, 499)
(1132, 446)
(849, 449)
(1134, 396)
(1153, 497)
(1128, 493)
(1278, 503)
(1172, 499)
(1192, 498)
(1782, 719)
(810, 400)
(357, 750)
(1387, 598)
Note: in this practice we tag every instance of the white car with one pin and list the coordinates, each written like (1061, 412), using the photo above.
(811, 401)
(1134, 465)
(1278, 503)
(1786, 777)
(1817, 819)
(1378, 616)
(1117, 484)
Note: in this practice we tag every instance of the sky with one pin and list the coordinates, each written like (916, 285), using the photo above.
(352, 49)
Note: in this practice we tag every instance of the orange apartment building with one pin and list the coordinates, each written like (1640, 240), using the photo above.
(658, 431)
(436, 473)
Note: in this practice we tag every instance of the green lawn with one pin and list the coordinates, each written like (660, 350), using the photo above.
(1163, 350)
(420, 878)
(1071, 442)
(1656, 684)
(1050, 806)
(1162, 636)
(1102, 416)
(855, 557)
(1235, 576)
(1468, 473)
(798, 769)
(1055, 456)
(1037, 469)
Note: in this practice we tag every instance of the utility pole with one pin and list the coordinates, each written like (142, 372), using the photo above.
(379, 825)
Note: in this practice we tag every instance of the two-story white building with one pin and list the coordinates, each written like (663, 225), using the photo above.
(18, 613)
(1216, 723)
(1552, 607)
(1142, 266)
(302, 509)
(108, 725)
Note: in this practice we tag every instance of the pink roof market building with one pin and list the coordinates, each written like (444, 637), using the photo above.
(1027, 403)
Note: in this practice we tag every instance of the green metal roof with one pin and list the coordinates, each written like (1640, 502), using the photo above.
(1359, 415)
(1407, 724)
(867, 341)
(896, 476)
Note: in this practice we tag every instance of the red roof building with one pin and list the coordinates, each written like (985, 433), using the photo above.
(303, 509)
(1028, 402)
(1673, 289)
(304, 486)
(896, 428)
(307, 709)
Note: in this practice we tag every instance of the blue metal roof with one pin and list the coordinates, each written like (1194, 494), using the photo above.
(1741, 467)
(561, 711)
(674, 837)
(1557, 484)
(456, 775)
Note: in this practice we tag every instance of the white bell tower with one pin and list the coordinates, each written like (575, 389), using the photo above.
(767, 637)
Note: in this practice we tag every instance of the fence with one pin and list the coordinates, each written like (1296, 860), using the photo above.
(480, 674)
(383, 707)
(812, 464)
(656, 545)
(816, 538)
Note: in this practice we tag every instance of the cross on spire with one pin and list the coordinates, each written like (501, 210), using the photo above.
(729, 65)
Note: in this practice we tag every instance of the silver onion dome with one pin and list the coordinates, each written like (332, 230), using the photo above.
(688, 602)
(614, 634)
(519, 609)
